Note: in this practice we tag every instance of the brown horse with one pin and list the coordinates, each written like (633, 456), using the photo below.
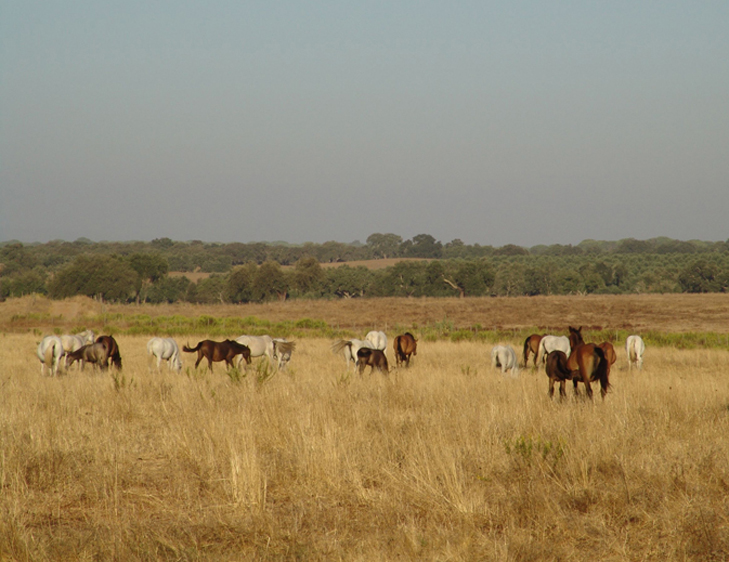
(95, 353)
(219, 351)
(609, 351)
(375, 358)
(531, 345)
(404, 345)
(113, 348)
(587, 363)
(557, 371)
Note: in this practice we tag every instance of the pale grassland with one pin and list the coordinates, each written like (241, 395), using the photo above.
(447, 460)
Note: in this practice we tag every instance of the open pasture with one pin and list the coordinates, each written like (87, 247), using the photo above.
(446, 460)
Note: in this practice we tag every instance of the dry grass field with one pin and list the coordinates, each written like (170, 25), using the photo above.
(447, 460)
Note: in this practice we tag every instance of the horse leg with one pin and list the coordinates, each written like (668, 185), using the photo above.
(551, 387)
(199, 358)
(562, 393)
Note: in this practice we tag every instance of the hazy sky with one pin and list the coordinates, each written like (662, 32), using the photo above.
(493, 122)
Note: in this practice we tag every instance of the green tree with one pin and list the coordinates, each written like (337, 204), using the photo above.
(700, 276)
(239, 286)
(270, 282)
(384, 245)
(308, 277)
(107, 277)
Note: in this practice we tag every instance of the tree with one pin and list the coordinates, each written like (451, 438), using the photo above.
(239, 284)
(384, 245)
(108, 277)
(270, 282)
(308, 277)
(348, 282)
(699, 277)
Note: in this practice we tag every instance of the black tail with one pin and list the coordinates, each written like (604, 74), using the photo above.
(191, 349)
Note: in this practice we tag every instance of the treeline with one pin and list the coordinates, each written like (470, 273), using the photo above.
(139, 271)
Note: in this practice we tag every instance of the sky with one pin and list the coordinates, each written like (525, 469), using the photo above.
(520, 122)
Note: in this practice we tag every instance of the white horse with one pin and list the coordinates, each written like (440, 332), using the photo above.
(275, 350)
(282, 349)
(634, 349)
(77, 341)
(553, 343)
(377, 339)
(349, 349)
(165, 348)
(504, 356)
(50, 351)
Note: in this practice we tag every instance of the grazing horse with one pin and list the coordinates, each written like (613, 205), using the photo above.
(349, 349)
(266, 345)
(377, 339)
(587, 363)
(531, 345)
(95, 353)
(165, 348)
(77, 341)
(504, 356)
(114, 356)
(557, 371)
(404, 346)
(219, 351)
(634, 349)
(609, 352)
(282, 350)
(50, 351)
(375, 358)
(552, 343)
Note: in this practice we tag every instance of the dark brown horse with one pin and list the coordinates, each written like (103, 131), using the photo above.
(219, 351)
(557, 371)
(404, 345)
(95, 353)
(113, 348)
(587, 363)
(531, 345)
(375, 358)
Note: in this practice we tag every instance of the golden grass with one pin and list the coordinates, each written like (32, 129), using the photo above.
(447, 460)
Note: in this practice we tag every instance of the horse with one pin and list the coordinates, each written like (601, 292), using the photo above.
(165, 348)
(552, 343)
(587, 363)
(219, 351)
(349, 349)
(77, 341)
(96, 353)
(404, 346)
(609, 351)
(50, 351)
(282, 350)
(531, 345)
(504, 356)
(375, 358)
(377, 339)
(114, 356)
(634, 349)
(266, 345)
(556, 368)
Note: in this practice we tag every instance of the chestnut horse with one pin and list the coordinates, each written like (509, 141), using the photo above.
(375, 358)
(557, 371)
(404, 345)
(219, 351)
(113, 348)
(587, 363)
(531, 345)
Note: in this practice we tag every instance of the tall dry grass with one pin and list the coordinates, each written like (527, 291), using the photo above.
(447, 460)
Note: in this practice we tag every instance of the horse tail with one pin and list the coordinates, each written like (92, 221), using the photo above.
(191, 349)
(526, 349)
(603, 371)
(338, 346)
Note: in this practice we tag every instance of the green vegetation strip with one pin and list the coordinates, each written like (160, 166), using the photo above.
(215, 327)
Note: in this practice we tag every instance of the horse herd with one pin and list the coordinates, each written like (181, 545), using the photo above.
(570, 358)
(564, 357)
(104, 351)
